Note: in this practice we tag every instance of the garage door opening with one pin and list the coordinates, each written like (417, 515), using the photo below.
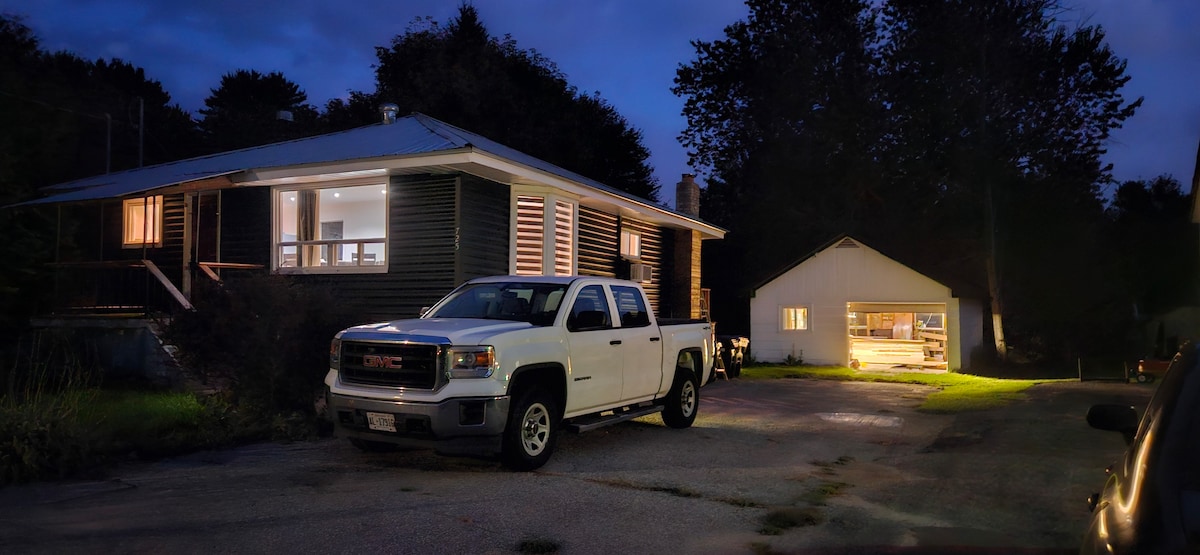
(888, 335)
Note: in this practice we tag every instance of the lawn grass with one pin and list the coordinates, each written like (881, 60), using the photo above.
(68, 432)
(958, 392)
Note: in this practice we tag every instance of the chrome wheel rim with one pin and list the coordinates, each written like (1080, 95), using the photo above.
(687, 398)
(535, 429)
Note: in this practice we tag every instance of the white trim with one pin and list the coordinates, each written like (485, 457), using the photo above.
(659, 214)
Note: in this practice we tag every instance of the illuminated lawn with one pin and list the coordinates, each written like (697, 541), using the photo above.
(958, 392)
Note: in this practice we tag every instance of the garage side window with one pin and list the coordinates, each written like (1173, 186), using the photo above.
(794, 318)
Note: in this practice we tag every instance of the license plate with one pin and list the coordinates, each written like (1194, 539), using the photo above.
(381, 421)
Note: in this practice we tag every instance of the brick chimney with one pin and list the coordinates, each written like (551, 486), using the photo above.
(687, 196)
(685, 284)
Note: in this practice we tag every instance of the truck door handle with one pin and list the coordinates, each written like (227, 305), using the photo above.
(615, 342)
(655, 338)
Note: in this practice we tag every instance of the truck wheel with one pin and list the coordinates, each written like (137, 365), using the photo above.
(682, 402)
(531, 431)
(368, 446)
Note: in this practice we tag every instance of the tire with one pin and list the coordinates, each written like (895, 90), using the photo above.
(368, 446)
(531, 432)
(1142, 378)
(682, 402)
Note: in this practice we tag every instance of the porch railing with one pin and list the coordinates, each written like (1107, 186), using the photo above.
(126, 287)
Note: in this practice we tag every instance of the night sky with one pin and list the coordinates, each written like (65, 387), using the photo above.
(627, 50)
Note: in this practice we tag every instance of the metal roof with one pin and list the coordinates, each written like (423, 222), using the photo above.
(413, 135)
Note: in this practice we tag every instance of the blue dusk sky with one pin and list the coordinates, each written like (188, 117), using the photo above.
(627, 50)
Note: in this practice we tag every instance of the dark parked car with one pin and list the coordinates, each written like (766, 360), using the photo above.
(1151, 501)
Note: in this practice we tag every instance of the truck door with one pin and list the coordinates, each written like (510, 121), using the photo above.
(641, 343)
(595, 346)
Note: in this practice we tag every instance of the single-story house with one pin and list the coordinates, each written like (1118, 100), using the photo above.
(394, 215)
(848, 304)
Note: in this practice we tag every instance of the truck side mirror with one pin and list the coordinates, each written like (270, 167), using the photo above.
(424, 311)
(1114, 418)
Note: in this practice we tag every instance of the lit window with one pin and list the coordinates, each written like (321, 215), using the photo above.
(631, 244)
(143, 222)
(545, 236)
(795, 318)
(342, 229)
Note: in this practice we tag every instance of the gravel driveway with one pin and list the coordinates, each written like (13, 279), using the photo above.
(789, 466)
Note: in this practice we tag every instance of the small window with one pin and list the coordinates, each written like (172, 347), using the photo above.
(143, 222)
(795, 318)
(631, 244)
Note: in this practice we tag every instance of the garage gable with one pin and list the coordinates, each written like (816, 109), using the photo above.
(848, 303)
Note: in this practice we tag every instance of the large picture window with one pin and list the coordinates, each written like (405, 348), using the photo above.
(331, 229)
(143, 222)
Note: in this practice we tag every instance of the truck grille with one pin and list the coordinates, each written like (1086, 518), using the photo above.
(388, 364)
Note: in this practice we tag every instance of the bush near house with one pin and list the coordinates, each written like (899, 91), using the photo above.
(263, 341)
(58, 418)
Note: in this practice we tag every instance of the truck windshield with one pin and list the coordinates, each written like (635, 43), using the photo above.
(536, 303)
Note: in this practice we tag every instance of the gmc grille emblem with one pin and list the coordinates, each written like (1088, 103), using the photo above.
(377, 361)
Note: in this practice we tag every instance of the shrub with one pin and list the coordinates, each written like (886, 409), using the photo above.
(44, 439)
(264, 339)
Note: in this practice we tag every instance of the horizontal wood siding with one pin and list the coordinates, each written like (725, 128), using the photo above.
(599, 243)
(246, 226)
(483, 219)
(421, 241)
(655, 250)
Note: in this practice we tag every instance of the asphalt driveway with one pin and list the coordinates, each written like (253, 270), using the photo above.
(791, 466)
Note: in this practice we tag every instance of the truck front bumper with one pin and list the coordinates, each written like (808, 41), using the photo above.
(461, 426)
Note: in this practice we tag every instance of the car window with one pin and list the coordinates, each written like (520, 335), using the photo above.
(590, 310)
(536, 303)
(631, 307)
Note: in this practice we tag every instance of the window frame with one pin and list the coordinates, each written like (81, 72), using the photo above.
(631, 249)
(558, 213)
(277, 245)
(155, 216)
(784, 320)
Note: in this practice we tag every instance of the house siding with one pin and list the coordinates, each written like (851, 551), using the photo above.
(599, 243)
(482, 229)
(599, 252)
(246, 226)
(657, 248)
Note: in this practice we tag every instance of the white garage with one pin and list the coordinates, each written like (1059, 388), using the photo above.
(848, 304)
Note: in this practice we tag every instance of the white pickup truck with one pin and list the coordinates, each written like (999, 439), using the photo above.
(500, 364)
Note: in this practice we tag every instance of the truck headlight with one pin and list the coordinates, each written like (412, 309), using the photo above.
(335, 354)
(470, 362)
